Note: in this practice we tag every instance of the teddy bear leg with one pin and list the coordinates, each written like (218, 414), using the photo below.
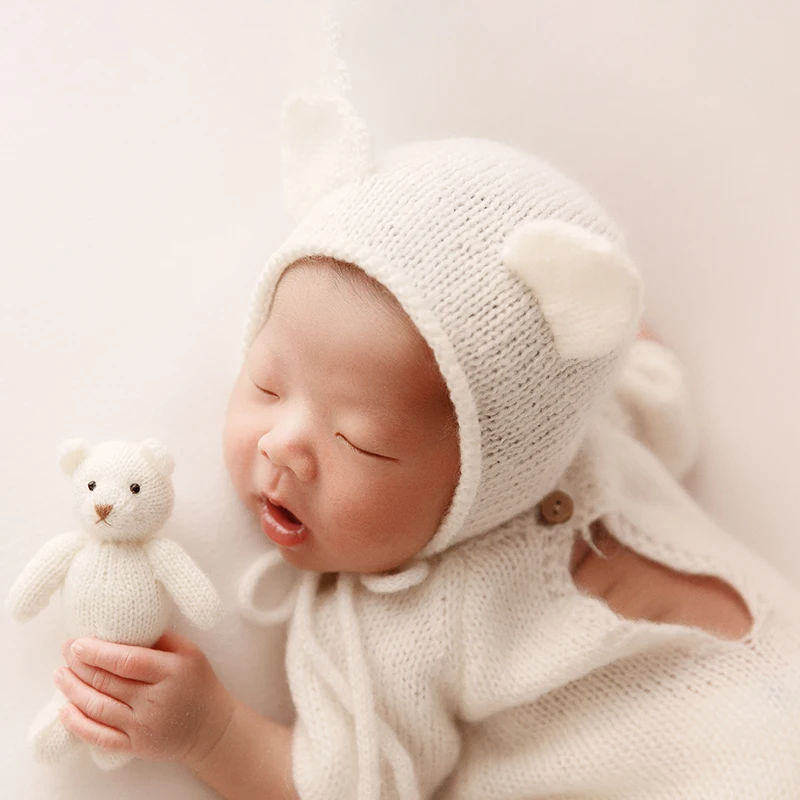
(48, 737)
(108, 759)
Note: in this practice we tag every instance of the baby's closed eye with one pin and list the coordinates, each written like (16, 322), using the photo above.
(360, 450)
(265, 391)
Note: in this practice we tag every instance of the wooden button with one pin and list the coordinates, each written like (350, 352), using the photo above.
(556, 508)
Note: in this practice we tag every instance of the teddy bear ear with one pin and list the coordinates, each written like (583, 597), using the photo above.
(71, 453)
(587, 289)
(157, 455)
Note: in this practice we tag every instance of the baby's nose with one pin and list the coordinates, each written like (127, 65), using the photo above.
(290, 453)
(103, 511)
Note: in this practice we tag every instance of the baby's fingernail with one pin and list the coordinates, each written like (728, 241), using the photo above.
(77, 649)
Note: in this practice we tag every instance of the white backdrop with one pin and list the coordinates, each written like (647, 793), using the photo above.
(140, 194)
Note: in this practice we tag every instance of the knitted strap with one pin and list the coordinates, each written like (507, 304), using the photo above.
(249, 582)
(389, 745)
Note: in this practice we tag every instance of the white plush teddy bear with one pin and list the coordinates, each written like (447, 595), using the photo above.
(115, 574)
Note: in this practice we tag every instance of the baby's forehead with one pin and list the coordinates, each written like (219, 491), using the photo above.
(346, 293)
(340, 310)
(326, 274)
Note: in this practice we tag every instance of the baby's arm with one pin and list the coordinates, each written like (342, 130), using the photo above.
(252, 759)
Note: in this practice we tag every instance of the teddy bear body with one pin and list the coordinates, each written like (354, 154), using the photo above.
(111, 592)
(116, 576)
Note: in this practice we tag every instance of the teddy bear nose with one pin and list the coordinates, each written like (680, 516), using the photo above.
(103, 511)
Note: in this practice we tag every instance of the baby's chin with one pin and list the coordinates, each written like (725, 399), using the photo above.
(302, 560)
(310, 560)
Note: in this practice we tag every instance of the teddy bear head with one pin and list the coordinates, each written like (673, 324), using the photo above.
(123, 490)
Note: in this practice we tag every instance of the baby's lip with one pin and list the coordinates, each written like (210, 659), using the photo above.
(280, 525)
(278, 501)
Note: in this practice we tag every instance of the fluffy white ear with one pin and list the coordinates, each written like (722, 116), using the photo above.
(157, 454)
(587, 288)
(325, 145)
(71, 453)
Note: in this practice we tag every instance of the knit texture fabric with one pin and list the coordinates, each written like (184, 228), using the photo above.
(478, 670)
(116, 577)
(430, 223)
(651, 402)
(496, 678)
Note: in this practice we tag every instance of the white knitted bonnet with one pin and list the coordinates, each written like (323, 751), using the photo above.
(512, 273)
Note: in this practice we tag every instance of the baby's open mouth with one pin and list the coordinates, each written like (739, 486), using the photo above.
(285, 515)
(281, 525)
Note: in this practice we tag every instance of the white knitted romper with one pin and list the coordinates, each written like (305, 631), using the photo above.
(478, 670)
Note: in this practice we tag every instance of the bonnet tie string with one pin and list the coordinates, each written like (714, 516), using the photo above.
(374, 737)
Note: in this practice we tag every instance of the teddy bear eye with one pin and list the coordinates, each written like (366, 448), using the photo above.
(135, 488)
(91, 485)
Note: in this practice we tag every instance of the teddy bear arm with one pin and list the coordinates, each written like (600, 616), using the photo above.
(193, 593)
(43, 575)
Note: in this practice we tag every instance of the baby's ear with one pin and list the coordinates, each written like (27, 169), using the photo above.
(71, 453)
(586, 287)
(158, 456)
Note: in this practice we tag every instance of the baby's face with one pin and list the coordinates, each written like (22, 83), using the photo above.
(340, 415)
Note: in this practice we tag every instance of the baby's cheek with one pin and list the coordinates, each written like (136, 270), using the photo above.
(238, 453)
(368, 506)
(373, 526)
(231, 449)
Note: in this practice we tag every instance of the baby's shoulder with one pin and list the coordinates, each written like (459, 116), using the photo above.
(506, 560)
(505, 572)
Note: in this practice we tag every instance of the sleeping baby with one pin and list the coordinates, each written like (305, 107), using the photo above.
(445, 421)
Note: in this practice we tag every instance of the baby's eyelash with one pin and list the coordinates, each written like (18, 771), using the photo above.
(265, 391)
(353, 447)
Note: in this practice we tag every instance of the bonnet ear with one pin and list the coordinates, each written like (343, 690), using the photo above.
(157, 455)
(325, 144)
(71, 453)
(587, 289)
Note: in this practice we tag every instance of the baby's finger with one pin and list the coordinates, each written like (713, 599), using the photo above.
(127, 661)
(91, 732)
(94, 705)
(105, 682)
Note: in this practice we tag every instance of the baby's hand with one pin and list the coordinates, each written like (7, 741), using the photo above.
(159, 704)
